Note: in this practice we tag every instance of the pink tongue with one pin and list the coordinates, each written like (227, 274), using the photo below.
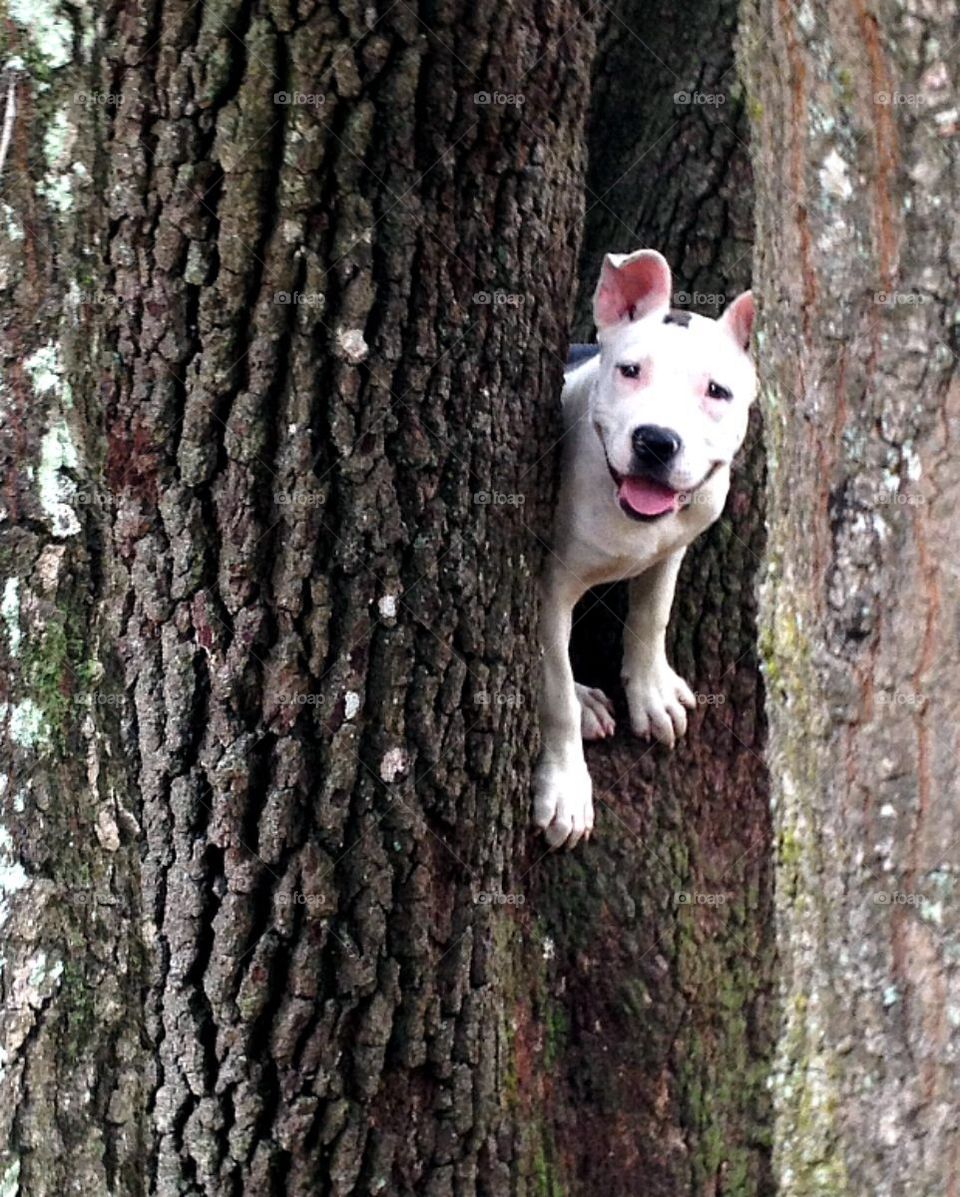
(646, 497)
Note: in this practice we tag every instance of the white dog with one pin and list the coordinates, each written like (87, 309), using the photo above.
(652, 422)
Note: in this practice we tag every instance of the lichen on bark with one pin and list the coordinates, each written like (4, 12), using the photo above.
(855, 147)
(280, 770)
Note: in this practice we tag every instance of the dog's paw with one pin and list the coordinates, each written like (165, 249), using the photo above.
(563, 803)
(657, 704)
(596, 713)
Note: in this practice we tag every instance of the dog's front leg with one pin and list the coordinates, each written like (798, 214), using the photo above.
(562, 794)
(656, 695)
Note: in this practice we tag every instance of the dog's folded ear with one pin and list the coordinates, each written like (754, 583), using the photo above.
(738, 318)
(631, 286)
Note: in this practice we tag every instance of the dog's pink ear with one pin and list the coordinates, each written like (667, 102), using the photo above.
(738, 318)
(631, 286)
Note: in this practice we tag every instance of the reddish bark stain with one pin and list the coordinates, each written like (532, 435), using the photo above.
(798, 160)
(131, 464)
(885, 145)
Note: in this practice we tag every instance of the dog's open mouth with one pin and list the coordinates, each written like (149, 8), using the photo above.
(642, 498)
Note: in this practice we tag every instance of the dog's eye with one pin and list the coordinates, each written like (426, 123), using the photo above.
(716, 391)
(629, 369)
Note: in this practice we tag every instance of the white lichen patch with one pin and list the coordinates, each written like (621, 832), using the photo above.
(57, 191)
(13, 876)
(914, 465)
(45, 368)
(35, 980)
(10, 613)
(393, 764)
(47, 27)
(57, 489)
(58, 139)
(834, 177)
(352, 344)
(387, 606)
(12, 226)
(10, 1180)
(58, 181)
(26, 724)
(806, 18)
(351, 703)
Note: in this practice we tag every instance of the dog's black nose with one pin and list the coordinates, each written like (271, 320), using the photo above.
(654, 445)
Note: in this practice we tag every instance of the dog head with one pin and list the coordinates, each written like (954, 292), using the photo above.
(673, 389)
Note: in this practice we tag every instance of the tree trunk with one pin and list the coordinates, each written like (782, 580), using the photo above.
(663, 926)
(271, 453)
(857, 167)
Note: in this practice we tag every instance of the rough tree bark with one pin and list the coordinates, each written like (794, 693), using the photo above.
(664, 944)
(268, 710)
(857, 162)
